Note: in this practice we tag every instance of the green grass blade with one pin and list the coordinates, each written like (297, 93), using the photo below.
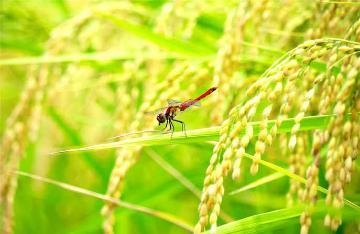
(259, 182)
(174, 172)
(270, 221)
(261, 223)
(155, 213)
(170, 44)
(202, 135)
(99, 56)
(298, 178)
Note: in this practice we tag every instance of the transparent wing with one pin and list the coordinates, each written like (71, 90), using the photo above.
(189, 104)
(173, 102)
(155, 112)
(197, 104)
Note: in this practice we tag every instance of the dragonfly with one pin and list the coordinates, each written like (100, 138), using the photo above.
(168, 114)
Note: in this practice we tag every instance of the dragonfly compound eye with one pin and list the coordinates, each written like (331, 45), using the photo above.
(161, 118)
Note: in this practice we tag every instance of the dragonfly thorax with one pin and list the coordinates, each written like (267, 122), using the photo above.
(168, 114)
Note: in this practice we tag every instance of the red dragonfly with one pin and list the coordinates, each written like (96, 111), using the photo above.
(168, 114)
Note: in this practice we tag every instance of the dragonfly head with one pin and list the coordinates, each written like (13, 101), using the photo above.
(161, 118)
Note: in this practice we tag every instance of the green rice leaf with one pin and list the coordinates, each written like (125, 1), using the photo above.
(202, 135)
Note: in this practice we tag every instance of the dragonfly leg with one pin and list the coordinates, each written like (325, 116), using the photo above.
(167, 121)
(171, 127)
(182, 125)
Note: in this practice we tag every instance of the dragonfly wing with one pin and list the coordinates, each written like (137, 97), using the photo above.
(189, 104)
(198, 104)
(154, 112)
(172, 102)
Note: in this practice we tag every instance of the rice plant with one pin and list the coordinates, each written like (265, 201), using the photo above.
(274, 148)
